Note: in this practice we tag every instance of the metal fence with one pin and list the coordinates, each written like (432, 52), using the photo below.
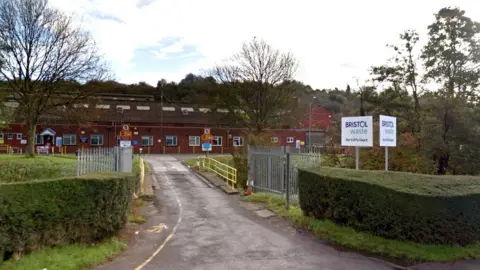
(97, 160)
(275, 169)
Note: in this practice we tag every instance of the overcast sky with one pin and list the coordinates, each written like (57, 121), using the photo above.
(335, 41)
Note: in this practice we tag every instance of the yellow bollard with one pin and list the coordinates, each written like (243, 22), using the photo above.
(221, 149)
(193, 149)
(179, 149)
(164, 149)
(148, 148)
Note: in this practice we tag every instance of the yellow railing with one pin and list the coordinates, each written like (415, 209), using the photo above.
(6, 148)
(223, 170)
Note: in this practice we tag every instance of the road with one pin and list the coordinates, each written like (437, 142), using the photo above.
(207, 229)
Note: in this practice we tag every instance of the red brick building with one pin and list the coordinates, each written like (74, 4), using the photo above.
(156, 129)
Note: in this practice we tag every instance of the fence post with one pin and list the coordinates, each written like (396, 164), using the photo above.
(288, 181)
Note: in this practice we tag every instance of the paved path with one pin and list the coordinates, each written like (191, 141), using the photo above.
(209, 230)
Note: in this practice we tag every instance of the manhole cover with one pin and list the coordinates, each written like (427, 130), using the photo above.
(264, 213)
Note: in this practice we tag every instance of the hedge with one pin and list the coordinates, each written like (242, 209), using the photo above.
(420, 208)
(13, 172)
(52, 212)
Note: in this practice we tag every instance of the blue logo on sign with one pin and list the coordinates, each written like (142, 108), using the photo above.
(83, 139)
(135, 142)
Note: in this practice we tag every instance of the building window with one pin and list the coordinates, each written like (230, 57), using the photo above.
(10, 136)
(1, 136)
(147, 140)
(237, 141)
(171, 140)
(194, 141)
(289, 139)
(217, 141)
(274, 139)
(69, 139)
(38, 139)
(96, 140)
(19, 136)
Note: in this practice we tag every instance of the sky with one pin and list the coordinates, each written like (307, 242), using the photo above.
(335, 42)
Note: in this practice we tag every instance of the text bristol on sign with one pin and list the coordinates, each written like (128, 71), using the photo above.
(388, 131)
(357, 131)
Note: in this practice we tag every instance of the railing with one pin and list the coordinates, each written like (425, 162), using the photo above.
(6, 148)
(97, 160)
(223, 170)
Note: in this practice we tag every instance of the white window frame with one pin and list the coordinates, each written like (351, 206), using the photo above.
(70, 136)
(9, 136)
(19, 136)
(196, 140)
(37, 141)
(274, 139)
(217, 138)
(98, 137)
(290, 139)
(149, 138)
(171, 137)
(237, 141)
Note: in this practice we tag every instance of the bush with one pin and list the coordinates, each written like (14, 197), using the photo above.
(404, 206)
(53, 212)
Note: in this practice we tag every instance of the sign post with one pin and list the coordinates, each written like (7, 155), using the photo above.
(125, 136)
(357, 131)
(207, 139)
(388, 134)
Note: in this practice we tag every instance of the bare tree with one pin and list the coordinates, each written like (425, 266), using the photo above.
(43, 57)
(256, 84)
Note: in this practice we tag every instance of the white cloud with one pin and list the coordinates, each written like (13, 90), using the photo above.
(334, 40)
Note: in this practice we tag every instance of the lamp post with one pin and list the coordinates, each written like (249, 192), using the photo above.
(310, 126)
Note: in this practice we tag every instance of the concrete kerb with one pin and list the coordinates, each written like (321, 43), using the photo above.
(194, 172)
(219, 184)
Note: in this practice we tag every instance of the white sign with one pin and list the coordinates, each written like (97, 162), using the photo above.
(357, 131)
(206, 131)
(388, 131)
(297, 144)
(206, 146)
(125, 143)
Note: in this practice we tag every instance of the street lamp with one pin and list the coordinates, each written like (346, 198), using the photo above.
(310, 126)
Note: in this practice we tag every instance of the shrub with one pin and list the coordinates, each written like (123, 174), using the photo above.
(419, 208)
(53, 212)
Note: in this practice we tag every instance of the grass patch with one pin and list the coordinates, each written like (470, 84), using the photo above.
(75, 256)
(137, 219)
(17, 168)
(408, 252)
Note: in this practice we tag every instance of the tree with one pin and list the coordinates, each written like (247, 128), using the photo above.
(258, 84)
(452, 54)
(452, 59)
(402, 73)
(43, 51)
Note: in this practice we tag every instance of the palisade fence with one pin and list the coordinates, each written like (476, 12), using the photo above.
(98, 160)
(275, 169)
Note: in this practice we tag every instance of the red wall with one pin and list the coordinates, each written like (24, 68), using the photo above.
(182, 134)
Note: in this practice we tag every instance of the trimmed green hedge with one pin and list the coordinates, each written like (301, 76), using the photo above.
(419, 208)
(52, 212)
(12, 172)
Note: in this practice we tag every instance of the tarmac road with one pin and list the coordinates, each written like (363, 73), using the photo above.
(207, 229)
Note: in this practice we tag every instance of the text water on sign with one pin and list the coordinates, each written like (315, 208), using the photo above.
(388, 131)
(357, 131)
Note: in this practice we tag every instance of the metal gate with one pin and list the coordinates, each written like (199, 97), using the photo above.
(275, 169)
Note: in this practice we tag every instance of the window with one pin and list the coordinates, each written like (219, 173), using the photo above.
(168, 109)
(103, 106)
(237, 141)
(10, 136)
(1, 136)
(19, 136)
(143, 108)
(217, 141)
(147, 140)
(69, 139)
(194, 141)
(274, 139)
(38, 139)
(96, 140)
(171, 140)
(289, 139)
(123, 107)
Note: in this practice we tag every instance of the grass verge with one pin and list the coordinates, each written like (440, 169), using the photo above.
(403, 251)
(75, 256)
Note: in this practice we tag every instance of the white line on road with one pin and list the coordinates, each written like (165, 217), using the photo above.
(170, 236)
